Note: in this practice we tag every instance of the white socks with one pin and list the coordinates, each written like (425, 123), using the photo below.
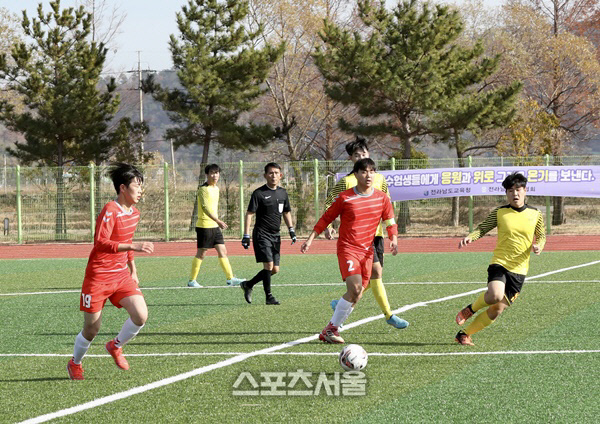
(81, 347)
(128, 332)
(341, 313)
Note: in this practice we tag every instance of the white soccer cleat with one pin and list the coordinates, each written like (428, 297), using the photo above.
(235, 281)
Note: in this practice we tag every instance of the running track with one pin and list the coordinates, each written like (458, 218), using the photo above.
(188, 248)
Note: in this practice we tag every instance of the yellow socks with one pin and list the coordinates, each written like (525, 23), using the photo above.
(195, 268)
(226, 266)
(381, 297)
(479, 303)
(479, 323)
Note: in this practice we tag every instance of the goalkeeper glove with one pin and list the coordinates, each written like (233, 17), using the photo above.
(246, 241)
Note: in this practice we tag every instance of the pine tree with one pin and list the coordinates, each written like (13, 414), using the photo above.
(57, 75)
(408, 76)
(220, 70)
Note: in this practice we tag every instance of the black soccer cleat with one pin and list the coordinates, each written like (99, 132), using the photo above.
(272, 301)
(247, 291)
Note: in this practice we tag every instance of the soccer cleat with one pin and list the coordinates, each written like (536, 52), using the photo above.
(464, 339)
(272, 301)
(247, 292)
(117, 354)
(75, 371)
(235, 281)
(399, 323)
(193, 283)
(464, 315)
(330, 335)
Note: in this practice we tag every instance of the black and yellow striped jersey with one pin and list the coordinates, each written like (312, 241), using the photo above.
(349, 181)
(208, 200)
(516, 231)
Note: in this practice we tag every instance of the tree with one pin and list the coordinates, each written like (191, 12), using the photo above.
(106, 21)
(561, 73)
(58, 74)
(408, 76)
(10, 35)
(296, 101)
(531, 133)
(220, 70)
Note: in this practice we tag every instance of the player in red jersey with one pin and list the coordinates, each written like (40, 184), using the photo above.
(111, 273)
(360, 209)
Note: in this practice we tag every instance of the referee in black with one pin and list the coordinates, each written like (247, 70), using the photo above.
(269, 202)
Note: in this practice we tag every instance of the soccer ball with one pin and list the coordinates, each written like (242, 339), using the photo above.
(353, 358)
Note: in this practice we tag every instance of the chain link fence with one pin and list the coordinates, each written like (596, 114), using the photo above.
(40, 204)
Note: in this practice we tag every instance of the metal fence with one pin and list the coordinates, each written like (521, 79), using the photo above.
(34, 208)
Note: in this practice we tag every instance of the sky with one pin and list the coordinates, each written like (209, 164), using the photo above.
(146, 29)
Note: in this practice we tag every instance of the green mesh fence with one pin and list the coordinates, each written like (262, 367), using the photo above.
(56, 205)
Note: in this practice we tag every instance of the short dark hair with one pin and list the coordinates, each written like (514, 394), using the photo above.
(211, 168)
(359, 143)
(515, 180)
(363, 165)
(272, 165)
(124, 173)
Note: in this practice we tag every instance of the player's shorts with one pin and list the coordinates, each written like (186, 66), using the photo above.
(266, 247)
(379, 246)
(207, 238)
(94, 293)
(353, 263)
(513, 283)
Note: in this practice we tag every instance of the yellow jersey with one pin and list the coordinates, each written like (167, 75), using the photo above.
(516, 231)
(208, 200)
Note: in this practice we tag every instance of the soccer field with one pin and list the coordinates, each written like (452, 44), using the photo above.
(203, 348)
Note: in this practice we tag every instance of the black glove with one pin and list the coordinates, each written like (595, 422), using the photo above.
(246, 241)
(292, 234)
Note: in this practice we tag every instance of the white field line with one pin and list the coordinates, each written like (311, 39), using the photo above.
(239, 358)
(388, 354)
(387, 283)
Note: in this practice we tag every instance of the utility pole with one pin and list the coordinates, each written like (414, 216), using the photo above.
(141, 93)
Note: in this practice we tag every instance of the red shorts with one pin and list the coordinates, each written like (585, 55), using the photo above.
(352, 263)
(94, 293)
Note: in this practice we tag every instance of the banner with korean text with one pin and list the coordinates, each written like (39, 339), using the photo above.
(567, 181)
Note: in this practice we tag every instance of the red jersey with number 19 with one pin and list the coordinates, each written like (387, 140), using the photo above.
(114, 225)
(360, 215)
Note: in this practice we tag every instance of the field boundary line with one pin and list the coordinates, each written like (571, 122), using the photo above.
(385, 354)
(239, 358)
(387, 283)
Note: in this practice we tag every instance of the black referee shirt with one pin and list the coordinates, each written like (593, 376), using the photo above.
(269, 205)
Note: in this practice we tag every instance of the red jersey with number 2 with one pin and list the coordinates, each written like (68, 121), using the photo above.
(114, 225)
(359, 215)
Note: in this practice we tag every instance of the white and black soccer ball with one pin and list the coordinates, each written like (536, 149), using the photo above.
(353, 358)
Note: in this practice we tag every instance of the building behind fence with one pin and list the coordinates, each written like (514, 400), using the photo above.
(34, 210)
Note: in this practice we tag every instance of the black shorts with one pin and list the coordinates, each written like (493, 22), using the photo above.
(379, 247)
(513, 283)
(266, 247)
(207, 238)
